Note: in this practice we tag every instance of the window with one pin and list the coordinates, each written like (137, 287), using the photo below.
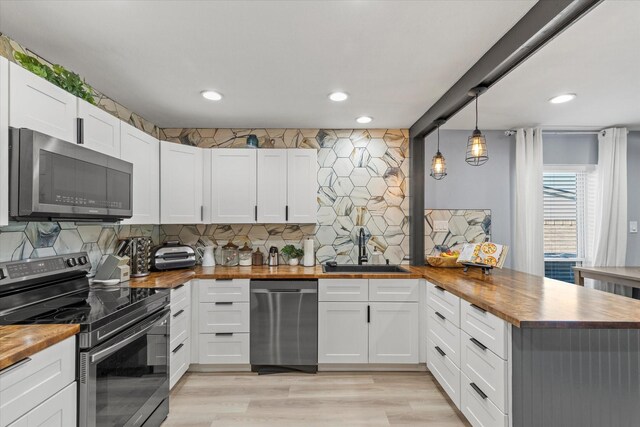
(565, 224)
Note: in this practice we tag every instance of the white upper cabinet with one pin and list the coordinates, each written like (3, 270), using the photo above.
(101, 130)
(272, 186)
(4, 141)
(41, 106)
(233, 186)
(143, 151)
(181, 172)
(302, 185)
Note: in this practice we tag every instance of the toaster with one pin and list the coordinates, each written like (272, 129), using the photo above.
(172, 255)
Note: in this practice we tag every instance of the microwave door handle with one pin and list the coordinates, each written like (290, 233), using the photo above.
(96, 357)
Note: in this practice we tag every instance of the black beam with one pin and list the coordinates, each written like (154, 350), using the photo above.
(416, 201)
(541, 24)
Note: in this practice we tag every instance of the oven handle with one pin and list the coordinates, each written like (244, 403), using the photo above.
(141, 330)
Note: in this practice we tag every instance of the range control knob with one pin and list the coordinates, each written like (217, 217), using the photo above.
(71, 262)
(83, 260)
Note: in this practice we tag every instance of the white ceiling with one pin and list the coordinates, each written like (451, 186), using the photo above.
(598, 58)
(274, 61)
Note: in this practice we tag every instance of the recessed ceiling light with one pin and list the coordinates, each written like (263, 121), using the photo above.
(211, 95)
(565, 97)
(338, 96)
(364, 119)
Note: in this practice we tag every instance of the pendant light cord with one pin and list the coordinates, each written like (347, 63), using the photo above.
(438, 138)
(476, 111)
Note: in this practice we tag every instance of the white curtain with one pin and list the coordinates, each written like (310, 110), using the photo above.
(528, 245)
(610, 235)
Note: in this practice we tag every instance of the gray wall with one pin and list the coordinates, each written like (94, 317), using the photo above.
(469, 187)
(494, 189)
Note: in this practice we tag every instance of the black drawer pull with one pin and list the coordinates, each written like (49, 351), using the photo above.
(178, 313)
(368, 314)
(439, 350)
(477, 389)
(440, 315)
(223, 303)
(478, 343)
(480, 309)
(441, 289)
(178, 287)
(224, 334)
(175, 350)
(224, 280)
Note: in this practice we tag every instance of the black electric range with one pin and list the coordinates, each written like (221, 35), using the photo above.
(123, 339)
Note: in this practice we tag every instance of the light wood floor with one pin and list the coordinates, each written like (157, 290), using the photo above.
(325, 399)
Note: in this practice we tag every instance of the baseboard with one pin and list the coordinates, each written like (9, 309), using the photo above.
(371, 367)
(240, 367)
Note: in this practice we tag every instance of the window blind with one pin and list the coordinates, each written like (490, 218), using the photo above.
(563, 205)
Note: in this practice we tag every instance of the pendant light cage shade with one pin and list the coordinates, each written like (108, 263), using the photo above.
(438, 166)
(477, 153)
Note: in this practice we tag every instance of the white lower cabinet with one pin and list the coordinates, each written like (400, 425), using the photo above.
(180, 333)
(393, 332)
(469, 359)
(35, 380)
(57, 411)
(479, 410)
(221, 324)
(343, 332)
(368, 321)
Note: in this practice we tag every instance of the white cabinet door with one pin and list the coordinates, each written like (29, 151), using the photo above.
(57, 411)
(101, 130)
(143, 151)
(4, 141)
(233, 186)
(302, 187)
(393, 332)
(181, 172)
(342, 332)
(41, 106)
(272, 186)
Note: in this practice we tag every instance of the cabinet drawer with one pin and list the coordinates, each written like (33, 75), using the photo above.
(486, 370)
(57, 411)
(444, 334)
(216, 317)
(394, 290)
(180, 297)
(25, 386)
(234, 290)
(444, 302)
(445, 371)
(488, 329)
(479, 410)
(179, 361)
(343, 290)
(223, 349)
(180, 326)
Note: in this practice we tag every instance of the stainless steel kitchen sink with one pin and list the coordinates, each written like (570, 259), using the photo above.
(349, 268)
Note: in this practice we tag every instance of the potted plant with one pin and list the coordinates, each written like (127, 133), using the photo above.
(292, 254)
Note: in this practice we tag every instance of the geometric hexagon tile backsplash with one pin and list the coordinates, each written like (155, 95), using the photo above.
(463, 226)
(363, 182)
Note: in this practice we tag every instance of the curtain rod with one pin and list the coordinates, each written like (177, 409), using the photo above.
(511, 132)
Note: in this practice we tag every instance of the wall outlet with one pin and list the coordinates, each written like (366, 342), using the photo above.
(633, 226)
(441, 226)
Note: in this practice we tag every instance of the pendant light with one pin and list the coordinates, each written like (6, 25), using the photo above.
(477, 153)
(438, 163)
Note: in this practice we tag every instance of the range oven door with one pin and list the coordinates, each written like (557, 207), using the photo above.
(55, 179)
(124, 380)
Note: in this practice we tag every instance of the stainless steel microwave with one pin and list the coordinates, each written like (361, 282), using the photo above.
(56, 180)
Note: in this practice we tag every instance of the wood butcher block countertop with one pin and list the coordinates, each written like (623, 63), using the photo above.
(521, 299)
(20, 341)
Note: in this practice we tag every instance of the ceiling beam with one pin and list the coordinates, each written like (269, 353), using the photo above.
(541, 24)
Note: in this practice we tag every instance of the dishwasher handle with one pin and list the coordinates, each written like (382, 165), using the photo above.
(283, 291)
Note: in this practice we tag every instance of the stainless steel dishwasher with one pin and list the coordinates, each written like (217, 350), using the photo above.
(284, 325)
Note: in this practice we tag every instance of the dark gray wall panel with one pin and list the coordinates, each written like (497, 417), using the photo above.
(576, 377)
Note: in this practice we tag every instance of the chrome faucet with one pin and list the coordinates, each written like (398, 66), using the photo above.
(362, 248)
